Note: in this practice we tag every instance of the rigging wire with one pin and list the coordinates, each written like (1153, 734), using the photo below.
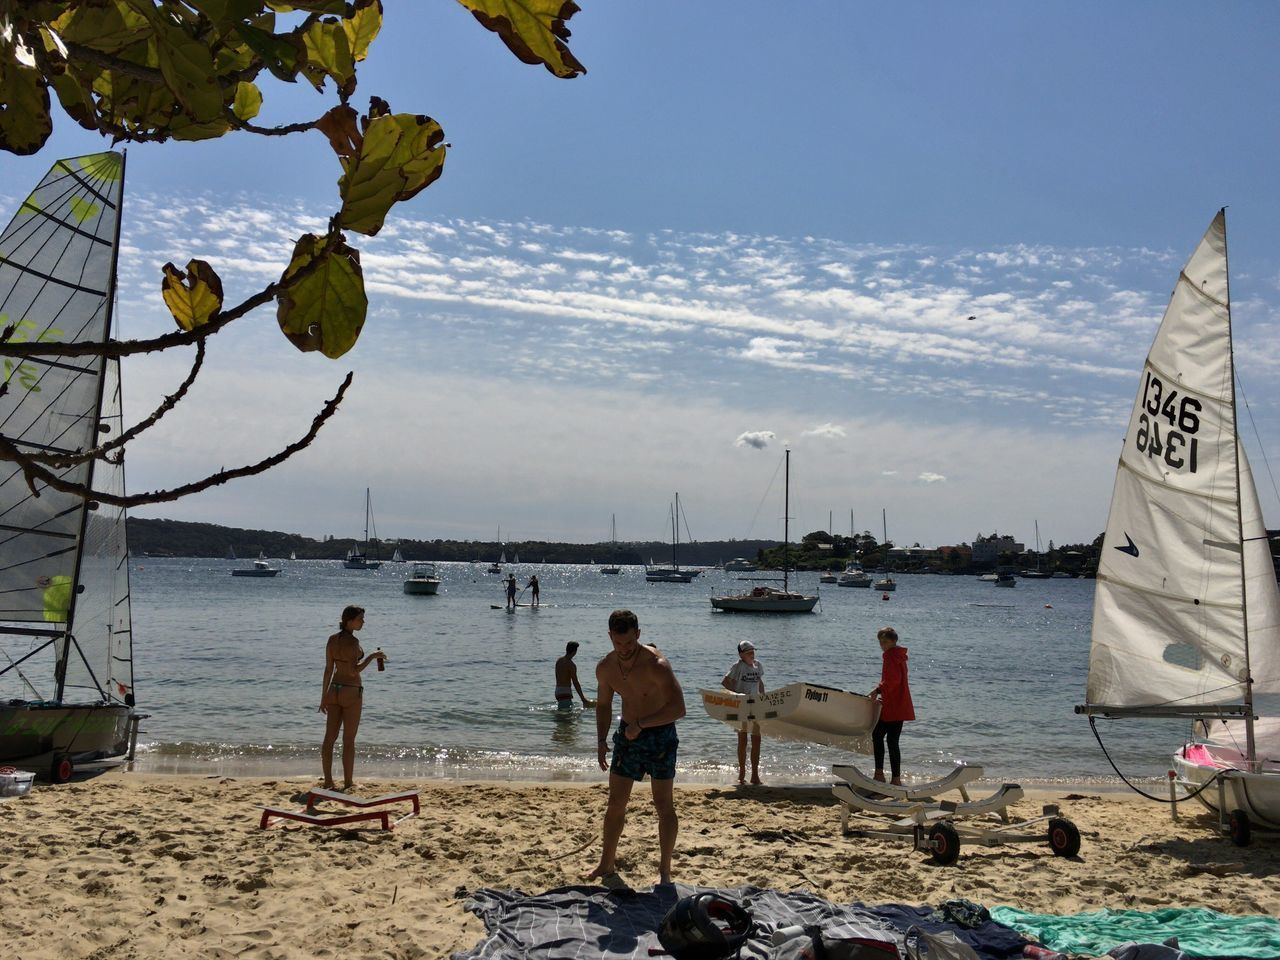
(759, 506)
(1093, 725)
(1261, 449)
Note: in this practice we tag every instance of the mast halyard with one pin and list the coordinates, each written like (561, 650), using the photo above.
(786, 518)
(1251, 750)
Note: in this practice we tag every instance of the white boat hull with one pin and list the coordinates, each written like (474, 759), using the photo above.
(427, 587)
(770, 601)
(1257, 794)
(807, 712)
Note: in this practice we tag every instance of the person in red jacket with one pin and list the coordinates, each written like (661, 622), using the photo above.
(895, 704)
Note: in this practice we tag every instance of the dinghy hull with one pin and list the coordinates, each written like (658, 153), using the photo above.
(806, 712)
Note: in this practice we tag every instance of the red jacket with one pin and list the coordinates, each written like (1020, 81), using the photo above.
(895, 695)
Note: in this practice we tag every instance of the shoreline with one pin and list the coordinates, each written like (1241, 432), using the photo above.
(176, 865)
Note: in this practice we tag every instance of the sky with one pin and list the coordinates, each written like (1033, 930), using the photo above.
(925, 246)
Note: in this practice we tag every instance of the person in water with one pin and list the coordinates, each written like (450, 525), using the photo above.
(533, 588)
(747, 676)
(895, 704)
(342, 694)
(567, 679)
(511, 590)
(644, 743)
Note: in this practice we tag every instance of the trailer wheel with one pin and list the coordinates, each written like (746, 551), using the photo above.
(61, 769)
(1239, 828)
(1064, 838)
(944, 844)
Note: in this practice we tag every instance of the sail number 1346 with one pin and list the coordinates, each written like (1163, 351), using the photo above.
(1176, 443)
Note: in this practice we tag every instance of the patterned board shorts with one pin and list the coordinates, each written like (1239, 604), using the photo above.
(653, 752)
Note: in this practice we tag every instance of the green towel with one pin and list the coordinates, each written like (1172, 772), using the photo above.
(1200, 932)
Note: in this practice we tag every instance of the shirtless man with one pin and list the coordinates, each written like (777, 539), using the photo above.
(644, 743)
(567, 679)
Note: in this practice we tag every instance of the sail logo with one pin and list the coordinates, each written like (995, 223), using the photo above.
(27, 374)
(1178, 446)
(1130, 548)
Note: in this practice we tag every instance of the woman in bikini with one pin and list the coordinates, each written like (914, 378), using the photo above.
(342, 694)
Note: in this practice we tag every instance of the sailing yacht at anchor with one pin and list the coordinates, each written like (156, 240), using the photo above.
(360, 559)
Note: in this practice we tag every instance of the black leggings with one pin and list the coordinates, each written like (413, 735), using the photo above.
(889, 730)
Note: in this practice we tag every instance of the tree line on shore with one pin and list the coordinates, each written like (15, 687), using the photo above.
(818, 550)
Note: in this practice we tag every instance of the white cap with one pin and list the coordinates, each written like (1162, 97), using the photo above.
(746, 645)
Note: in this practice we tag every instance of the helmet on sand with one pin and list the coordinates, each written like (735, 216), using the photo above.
(705, 926)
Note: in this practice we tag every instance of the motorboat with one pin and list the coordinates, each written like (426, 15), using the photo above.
(740, 565)
(1006, 580)
(260, 568)
(763, 599)
(422, 579)
(853, 576)
(827, 577)
(1186, 611)
(808, 712)
(886, 584)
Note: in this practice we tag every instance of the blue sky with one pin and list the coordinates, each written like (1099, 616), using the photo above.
(735, 231)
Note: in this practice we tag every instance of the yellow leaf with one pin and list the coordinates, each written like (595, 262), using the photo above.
(325, 309)
(248, 100)
(534, 30)
(400, 155)
(195, 297)
(328, 53)
(363, 26)
(187, 67)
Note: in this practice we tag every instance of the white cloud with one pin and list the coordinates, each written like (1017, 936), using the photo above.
(928, 477)
(825, 430)
(757, 439)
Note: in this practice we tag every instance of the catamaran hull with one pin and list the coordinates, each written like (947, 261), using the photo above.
(807, 712)
(39, 738)
(1257, 794)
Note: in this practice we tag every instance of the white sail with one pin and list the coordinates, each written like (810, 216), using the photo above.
(1185, 535)
(64, 564)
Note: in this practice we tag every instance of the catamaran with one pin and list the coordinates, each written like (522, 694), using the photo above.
(1186, 613)
(66, 683)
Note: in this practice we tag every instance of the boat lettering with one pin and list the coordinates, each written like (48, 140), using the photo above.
(818, 695)
(720, 701)
(1177, 448)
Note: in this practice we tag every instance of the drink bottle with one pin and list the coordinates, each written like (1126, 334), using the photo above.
(381, 665)
(1037, 952)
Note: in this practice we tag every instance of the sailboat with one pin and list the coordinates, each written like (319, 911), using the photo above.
(1186, 612)
(673, 573)
(360, 559)
(1037, 573)
(885, 583)
(767, 599)
(612, 567)
(66, 682)
(397, 557)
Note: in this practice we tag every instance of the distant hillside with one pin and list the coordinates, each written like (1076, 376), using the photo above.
(178, 538)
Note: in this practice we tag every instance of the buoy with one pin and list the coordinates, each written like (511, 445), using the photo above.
(884, 596)
(1048, 606)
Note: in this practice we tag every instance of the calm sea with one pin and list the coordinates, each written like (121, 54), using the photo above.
(230, 669)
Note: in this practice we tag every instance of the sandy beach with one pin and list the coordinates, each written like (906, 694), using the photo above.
(135, 865)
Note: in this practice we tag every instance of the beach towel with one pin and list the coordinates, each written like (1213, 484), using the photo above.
(1199, 932)
(589, 923)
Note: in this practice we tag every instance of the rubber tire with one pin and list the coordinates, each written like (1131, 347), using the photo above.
(944, 844)
(62, 769)
(1064, 838)
(1239, 828)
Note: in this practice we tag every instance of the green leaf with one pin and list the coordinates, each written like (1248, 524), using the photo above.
(325, 309)
(25, 123)
(108, 28)
(187, 66)
(195, 297)
(278, 54)
(248, 100)
(400, 155)
(534, 30)
(335, 7)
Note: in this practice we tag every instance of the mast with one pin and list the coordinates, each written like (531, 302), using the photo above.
(1251, 753)
(786, 511)
(60, 670)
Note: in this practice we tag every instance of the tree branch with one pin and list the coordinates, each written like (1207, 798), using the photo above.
(62, 461)
(34, 471)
